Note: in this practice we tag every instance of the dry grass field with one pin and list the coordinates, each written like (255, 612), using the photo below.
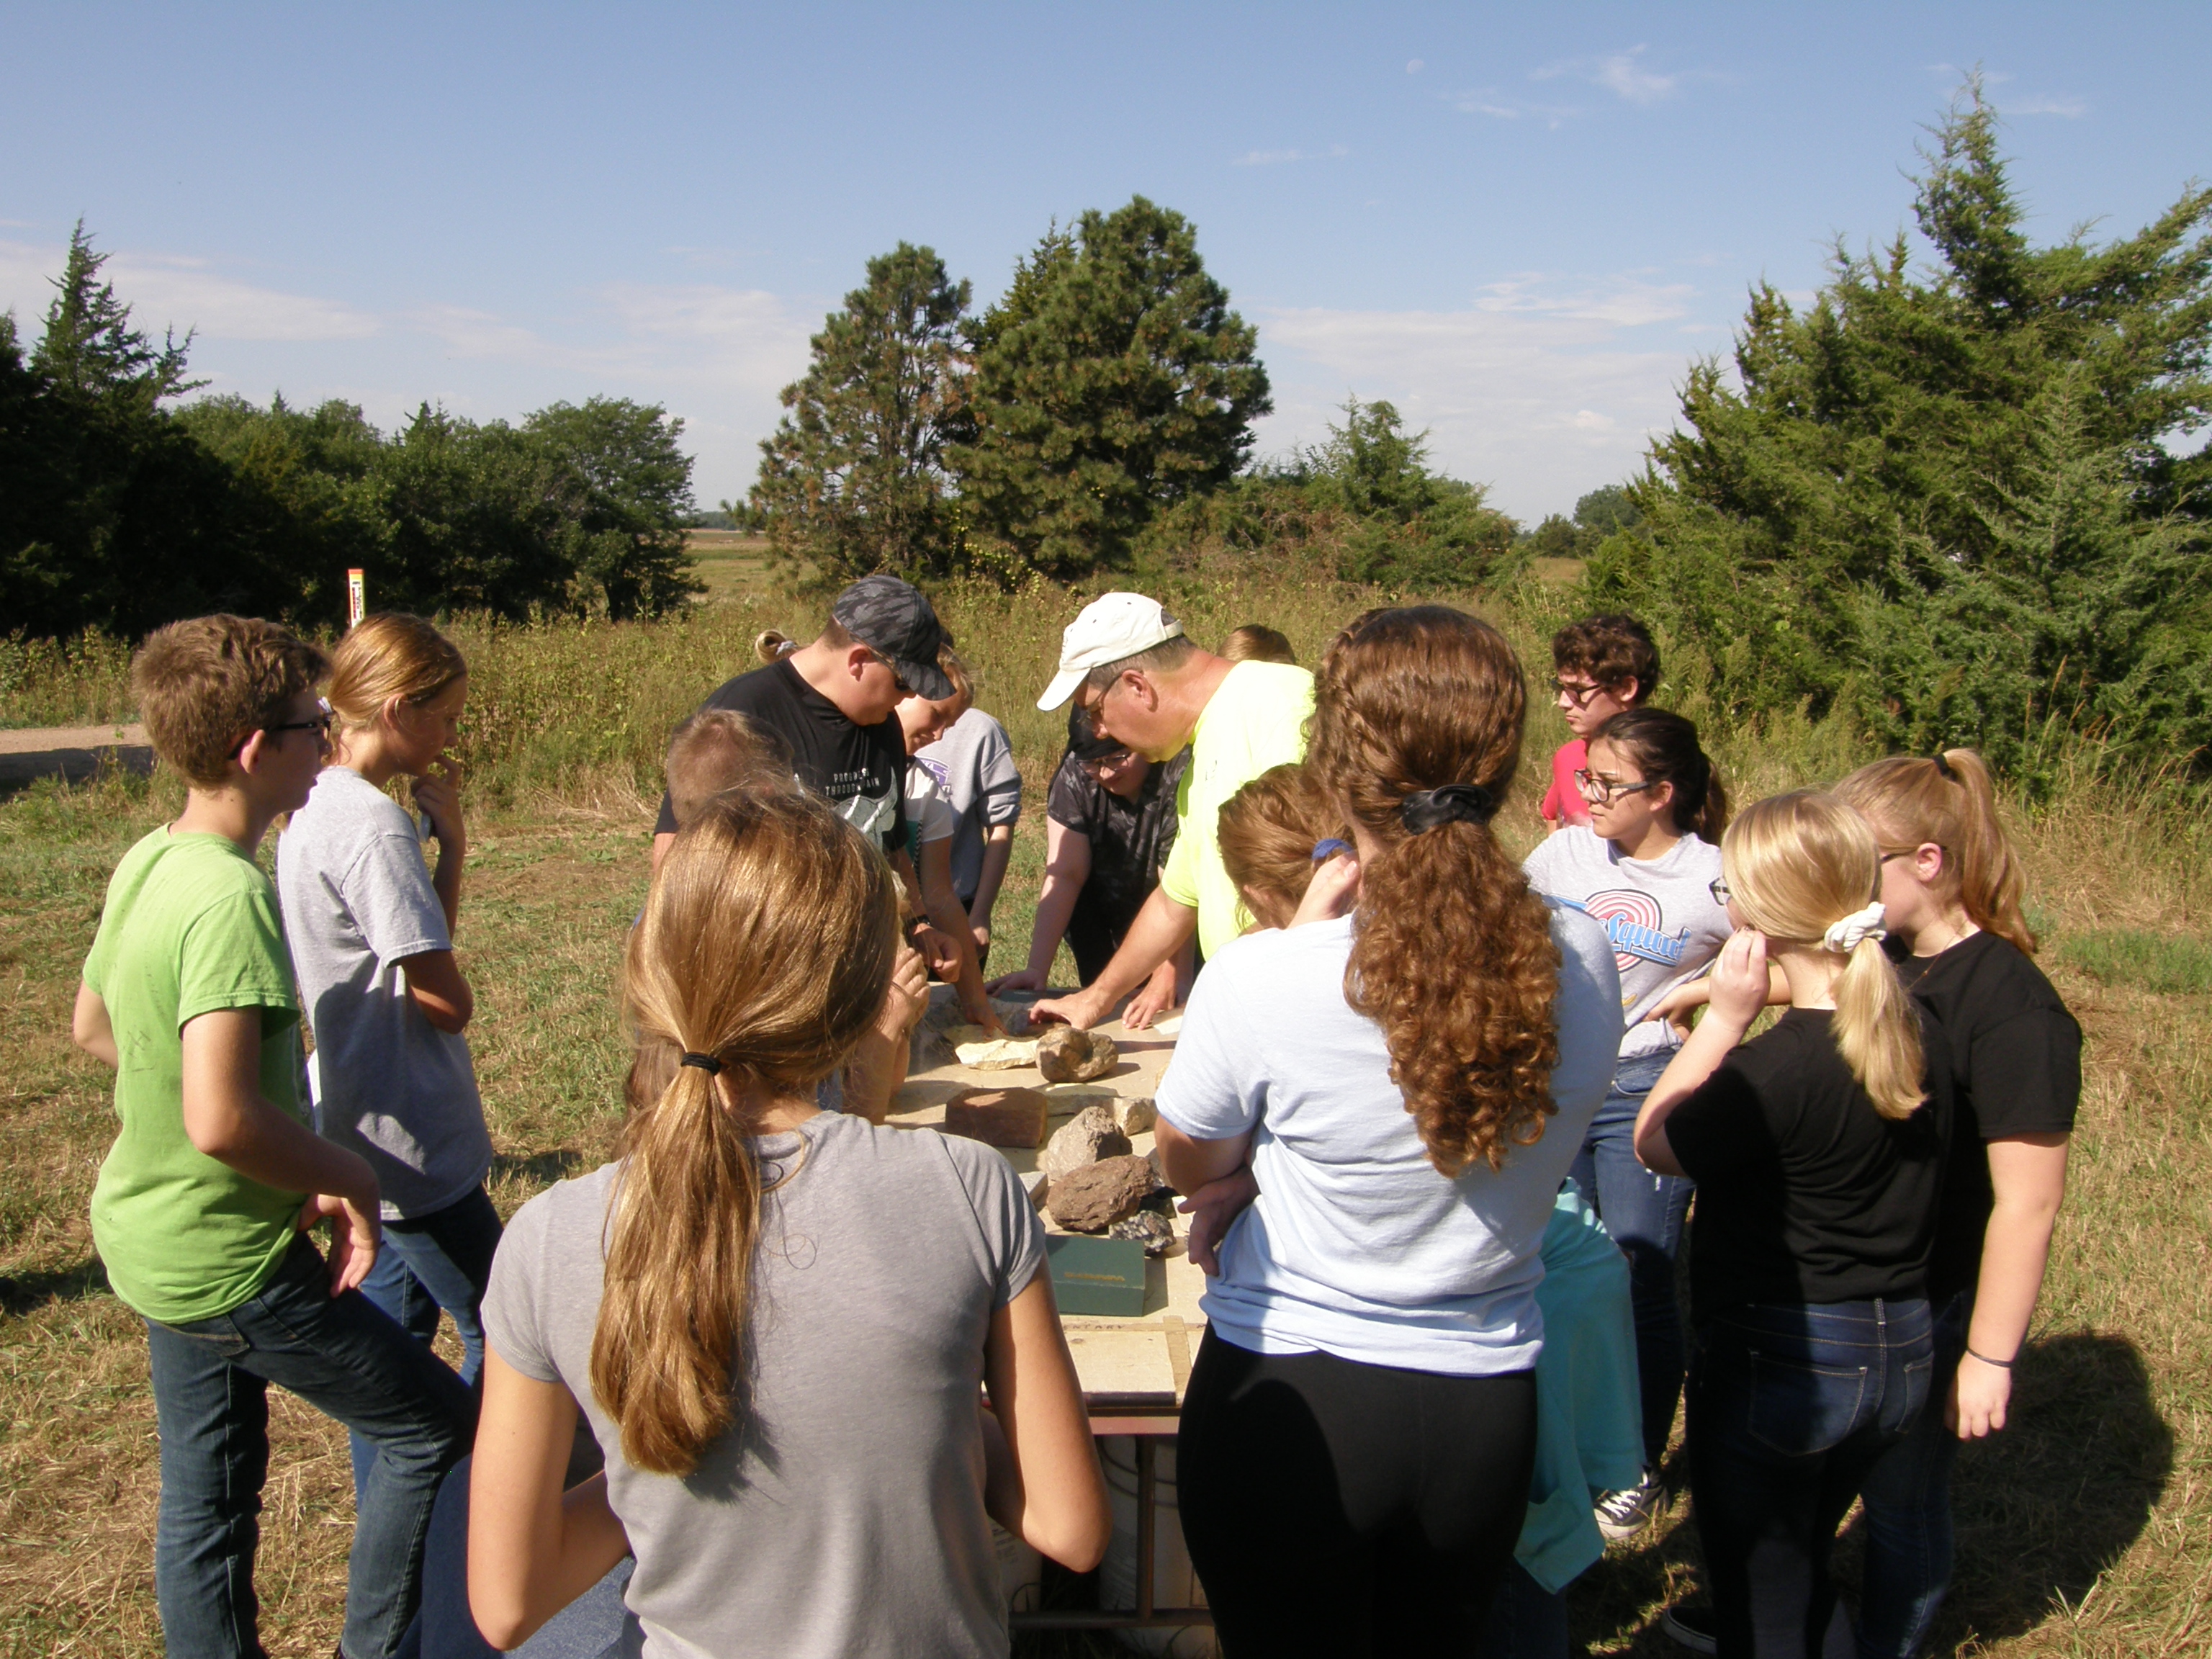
(2086, 1529)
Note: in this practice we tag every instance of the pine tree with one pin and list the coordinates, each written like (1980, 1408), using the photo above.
(853, 480)
(1938, 499)
(1111, 382)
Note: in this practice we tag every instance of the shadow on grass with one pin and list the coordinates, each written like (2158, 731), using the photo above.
(538, 1171)
(2049, 1506)
(2042, 1511)
(21, 1292)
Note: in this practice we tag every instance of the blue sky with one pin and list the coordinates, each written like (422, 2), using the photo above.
(1520, 223)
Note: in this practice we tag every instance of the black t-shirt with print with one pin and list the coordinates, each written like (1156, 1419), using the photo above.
(1129, 839)
(858, 770)
(2015, 1070)
(1805, 1194)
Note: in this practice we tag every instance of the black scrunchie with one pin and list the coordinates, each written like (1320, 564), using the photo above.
(1943, 768)
(1455, 803)
(707, 1063)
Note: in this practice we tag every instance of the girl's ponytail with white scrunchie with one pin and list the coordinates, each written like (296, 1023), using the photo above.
(1845, 936)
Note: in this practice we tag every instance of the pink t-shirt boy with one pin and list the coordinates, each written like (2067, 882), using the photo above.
(1602, 666)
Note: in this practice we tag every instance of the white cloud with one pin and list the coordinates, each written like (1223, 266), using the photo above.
(1268, 158)
(1622, 75)
(2070, 106)
(1538, 387)
(169, 290)
(1413, 66)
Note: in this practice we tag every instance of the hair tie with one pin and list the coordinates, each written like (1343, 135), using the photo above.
(1461, 803)
(1325, 850)
(707, 1063)
(1845, 936)
(1943, 769)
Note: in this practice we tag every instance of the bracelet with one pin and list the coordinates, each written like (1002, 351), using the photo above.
(2002, 1364)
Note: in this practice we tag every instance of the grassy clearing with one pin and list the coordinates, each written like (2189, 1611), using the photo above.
(2086, 1529)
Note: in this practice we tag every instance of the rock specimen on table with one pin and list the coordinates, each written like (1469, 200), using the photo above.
(1134, 1117)
(1088, 1136)
(1014, 1016)
(1149, 1228)
(999, 1054)
(1064, 1055)
(1035, 1185)
(998, 1117)
(1098, 1195)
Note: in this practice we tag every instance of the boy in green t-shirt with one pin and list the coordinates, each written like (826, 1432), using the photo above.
(203, 1205)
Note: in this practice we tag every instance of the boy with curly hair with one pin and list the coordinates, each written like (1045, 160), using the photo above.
(1600, 666)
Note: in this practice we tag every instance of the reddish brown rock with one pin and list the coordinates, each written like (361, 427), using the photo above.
(998, 1117)
(1098, 1195)
(1067, 1055)
(1088, 1136)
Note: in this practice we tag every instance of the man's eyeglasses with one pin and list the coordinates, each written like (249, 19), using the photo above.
(1603, 790)
(1578, 694)
(897, 684)
(1105, 763)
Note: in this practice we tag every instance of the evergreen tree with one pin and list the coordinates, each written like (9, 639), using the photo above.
(1111, 382)
(623, 489)
(853, 479)
(1939, 498)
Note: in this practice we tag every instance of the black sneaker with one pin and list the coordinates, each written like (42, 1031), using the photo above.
(1625, 1513)
(1693, 1628)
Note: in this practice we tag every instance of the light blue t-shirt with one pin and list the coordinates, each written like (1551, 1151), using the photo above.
(1356, 1246)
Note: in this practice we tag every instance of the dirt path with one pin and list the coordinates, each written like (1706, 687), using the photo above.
(36, 739)
(73, 752)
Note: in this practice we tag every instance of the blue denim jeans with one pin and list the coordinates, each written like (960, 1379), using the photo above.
(210, 1401)
(1908, 1512)
(1643, 1213)
(441, 1261)
(1789, 1409)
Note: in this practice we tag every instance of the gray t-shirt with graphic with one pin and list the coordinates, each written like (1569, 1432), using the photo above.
(386, 1083)
(845, 1516)
(1665, 925)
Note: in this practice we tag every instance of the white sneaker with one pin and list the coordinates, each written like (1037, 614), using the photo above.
(1625, 1513)
(1691, 1627)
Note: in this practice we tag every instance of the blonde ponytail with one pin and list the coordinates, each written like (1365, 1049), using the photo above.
(764, 953)
(1878, 1032)
(1799, 863)
(1949, 800)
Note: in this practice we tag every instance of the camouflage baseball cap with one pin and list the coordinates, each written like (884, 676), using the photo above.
(893, 620)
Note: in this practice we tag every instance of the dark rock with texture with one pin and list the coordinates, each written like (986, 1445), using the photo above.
(1068, 1055)
(1088, 1136)
(1149, 1228)
(1096, 1196)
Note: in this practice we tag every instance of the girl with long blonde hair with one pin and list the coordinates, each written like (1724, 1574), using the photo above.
(1407, 1083)
(1951, 888)
(1817, 1151)
(372, 923)
(777, 1319)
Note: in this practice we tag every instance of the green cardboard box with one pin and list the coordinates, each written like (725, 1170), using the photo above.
(1097, 1275)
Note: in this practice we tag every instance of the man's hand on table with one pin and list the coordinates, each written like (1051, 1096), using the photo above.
(1082, 1010)
(1211, 1209)
(1154, 997)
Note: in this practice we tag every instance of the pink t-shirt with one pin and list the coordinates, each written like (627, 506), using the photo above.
(1562, 802)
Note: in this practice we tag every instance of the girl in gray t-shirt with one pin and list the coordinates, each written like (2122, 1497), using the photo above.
(370, 927)
(781, 1323)
(1646, 868)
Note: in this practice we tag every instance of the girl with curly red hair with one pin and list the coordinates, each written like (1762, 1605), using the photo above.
(1409, 1082)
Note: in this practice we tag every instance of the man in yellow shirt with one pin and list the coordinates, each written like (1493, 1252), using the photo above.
(1143, 683)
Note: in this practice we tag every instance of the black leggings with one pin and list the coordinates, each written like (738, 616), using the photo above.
(1348, 1509)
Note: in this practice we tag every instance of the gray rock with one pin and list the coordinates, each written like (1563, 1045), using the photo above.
(1088, 1136)
(1035, 1183)
(1149, 1228)
(1068, 1055)
(1098, 1195)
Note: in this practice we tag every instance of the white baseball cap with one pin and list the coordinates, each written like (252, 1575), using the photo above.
(1112, 626)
